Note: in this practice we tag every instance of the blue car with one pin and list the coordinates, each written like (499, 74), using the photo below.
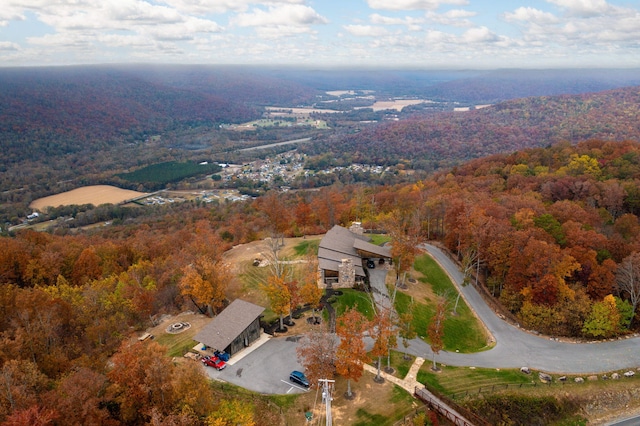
(299, 378)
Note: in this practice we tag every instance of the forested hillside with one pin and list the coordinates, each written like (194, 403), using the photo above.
(553, 232)
(47, 112)
(501, 85)
(447, 138)
(242, 84)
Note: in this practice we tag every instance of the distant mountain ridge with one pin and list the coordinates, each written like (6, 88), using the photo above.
(501, 85)
(53, 111)
(449, 138)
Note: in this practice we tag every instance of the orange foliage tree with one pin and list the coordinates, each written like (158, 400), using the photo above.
(205, 282)
(351, 354)
(279, 296)
(382, 330)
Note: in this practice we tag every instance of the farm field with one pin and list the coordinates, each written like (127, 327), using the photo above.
(275, 110)
(95, 194)
(397, 104)
(267, 122)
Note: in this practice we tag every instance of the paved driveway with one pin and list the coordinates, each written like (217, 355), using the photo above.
(516, 348)
(266, 369)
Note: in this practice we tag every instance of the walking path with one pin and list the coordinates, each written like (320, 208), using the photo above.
(408, 383)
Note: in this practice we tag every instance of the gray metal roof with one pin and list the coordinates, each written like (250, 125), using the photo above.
(226, 326)
(372, 248)
(340, 243)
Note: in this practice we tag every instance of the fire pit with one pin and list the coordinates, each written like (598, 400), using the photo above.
(178, 327)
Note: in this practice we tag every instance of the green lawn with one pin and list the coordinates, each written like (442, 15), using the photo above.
(177, 344)
(461, 380)
(379, 239)
(398, 405)
(307, 247)
(350, 298)
(398, 363)
(434, 275)
(462, 332)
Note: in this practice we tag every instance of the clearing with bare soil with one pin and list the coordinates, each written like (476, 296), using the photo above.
(247, 277)
(96, 195)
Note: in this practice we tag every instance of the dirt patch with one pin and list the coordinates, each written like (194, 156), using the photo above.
(370, 400)
(412, 286)
(96, 195)
(249, 251)
(240, 259)
(195, 320)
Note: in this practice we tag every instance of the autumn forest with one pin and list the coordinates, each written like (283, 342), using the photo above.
(548, 227)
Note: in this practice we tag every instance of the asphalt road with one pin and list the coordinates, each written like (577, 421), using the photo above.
(266, 369)
(516, 348)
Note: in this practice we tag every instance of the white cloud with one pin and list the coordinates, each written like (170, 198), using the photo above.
(62, 40)
(387, 20)
(584, 8)
(281, 31)
(408, 32)
(181, 31)
(127, 41)
(8, 46)
(282, 15)
(530, 15)
(619, 28)
(455, 17)
(412, 4)
(10, 13)
(121, 15)
(479, 35)
(205, 7)
(366, 30)
(80, 23)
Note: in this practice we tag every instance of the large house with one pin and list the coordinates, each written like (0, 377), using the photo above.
(341, 255)
(235, 328)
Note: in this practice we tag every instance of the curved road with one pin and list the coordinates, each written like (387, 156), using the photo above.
(516, 348)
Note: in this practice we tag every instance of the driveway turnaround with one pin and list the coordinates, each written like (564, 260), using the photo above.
(517, 348)
(266, 369)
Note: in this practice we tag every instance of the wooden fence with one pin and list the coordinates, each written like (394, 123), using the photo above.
(448, 409)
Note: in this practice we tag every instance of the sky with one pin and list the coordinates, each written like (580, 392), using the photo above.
(422, 34)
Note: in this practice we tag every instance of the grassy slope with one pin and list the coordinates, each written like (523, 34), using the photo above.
(462, 332)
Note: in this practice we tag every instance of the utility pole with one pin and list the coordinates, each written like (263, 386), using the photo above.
(326, 396)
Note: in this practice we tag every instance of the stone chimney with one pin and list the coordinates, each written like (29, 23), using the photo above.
(356, 228)
(346, 274)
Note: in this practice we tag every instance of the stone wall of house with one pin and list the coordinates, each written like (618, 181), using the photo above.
(346, 274)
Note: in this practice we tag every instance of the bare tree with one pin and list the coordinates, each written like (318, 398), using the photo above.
(317, 354)
(628, 279)
(469, 261)
(436, 329)
(278, 267)
(406, 328)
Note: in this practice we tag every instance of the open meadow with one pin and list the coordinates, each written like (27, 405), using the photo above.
(95, 194)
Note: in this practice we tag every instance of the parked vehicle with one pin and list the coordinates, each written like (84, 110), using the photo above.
(299, 378)
(219, 364)
(215, 362)
(222, 355)
(371, 264)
